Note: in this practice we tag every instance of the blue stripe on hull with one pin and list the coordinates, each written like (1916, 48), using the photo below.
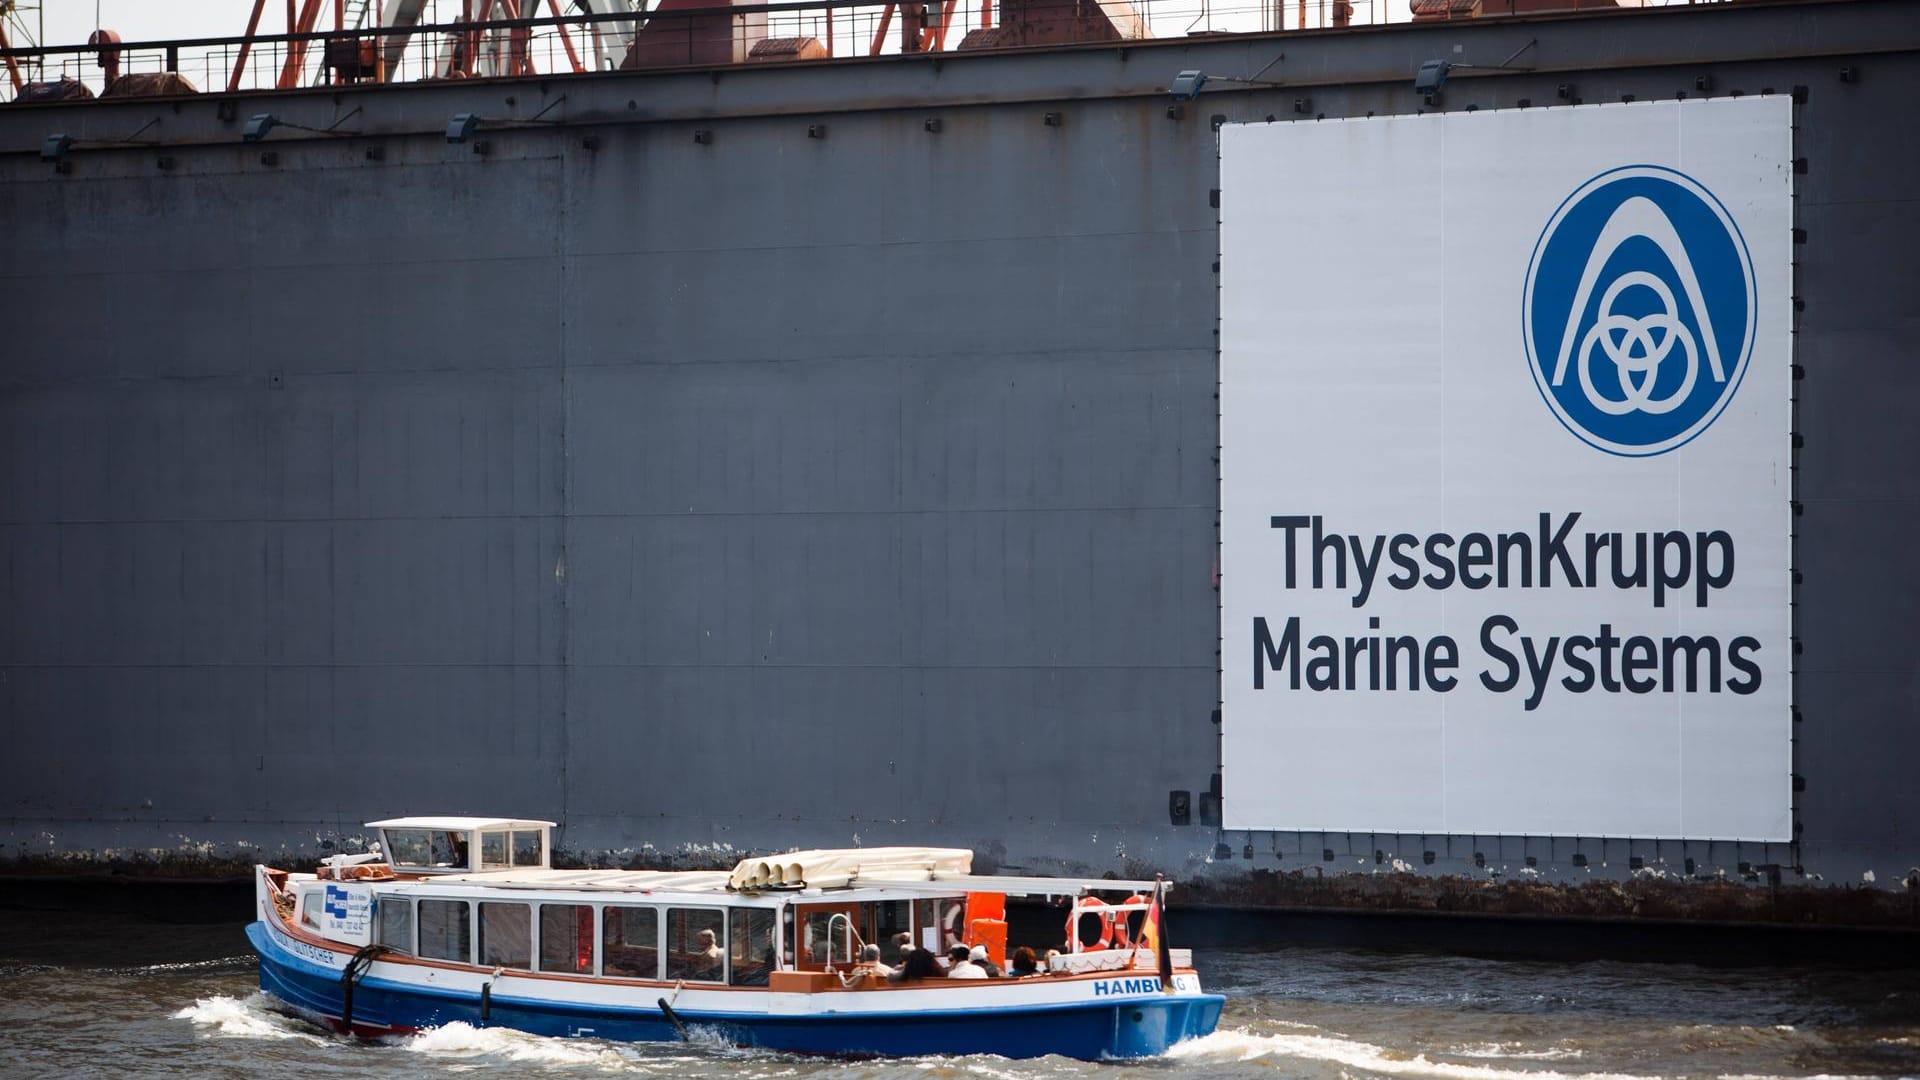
(1127, 1028)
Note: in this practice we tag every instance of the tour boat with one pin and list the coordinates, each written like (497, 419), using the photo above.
(464, 919)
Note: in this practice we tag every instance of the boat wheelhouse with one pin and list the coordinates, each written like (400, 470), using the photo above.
(465, 919)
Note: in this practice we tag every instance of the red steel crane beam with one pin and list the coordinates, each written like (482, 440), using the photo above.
(565, 39)
(246, 46)
(297, 50)
(934, 39)
(13, 69)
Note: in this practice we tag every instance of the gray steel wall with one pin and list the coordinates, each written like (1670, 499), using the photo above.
(780, 490)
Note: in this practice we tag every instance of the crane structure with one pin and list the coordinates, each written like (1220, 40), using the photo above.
(394, 40)
(22, 26)
(369, 39)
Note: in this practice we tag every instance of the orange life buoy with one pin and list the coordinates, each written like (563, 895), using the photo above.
(1090, 905)
(1123, 921)
(953, 926)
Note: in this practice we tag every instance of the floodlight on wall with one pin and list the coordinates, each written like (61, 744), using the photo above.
(461, 127)
(1431, 77)
(257, 126)
(1187, 85)
(56, 147)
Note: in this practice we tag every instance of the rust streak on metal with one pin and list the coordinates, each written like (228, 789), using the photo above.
(1652, 899)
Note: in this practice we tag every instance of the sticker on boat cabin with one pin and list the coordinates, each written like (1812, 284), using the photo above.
(346, 913)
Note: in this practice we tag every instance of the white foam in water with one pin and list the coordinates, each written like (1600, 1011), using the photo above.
(249, 1018)
(463, 1040)
(1231, 1046)
(1516, 1051)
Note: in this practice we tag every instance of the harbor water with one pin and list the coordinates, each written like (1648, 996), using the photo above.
(92, 994)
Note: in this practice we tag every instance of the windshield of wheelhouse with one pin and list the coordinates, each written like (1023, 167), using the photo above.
(426, 849)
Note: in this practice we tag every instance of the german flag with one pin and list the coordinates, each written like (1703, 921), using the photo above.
(1153, 935)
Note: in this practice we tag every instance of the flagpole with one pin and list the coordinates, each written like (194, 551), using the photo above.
(1160, 935)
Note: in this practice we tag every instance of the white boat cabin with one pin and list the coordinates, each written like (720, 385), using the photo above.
(482, 891)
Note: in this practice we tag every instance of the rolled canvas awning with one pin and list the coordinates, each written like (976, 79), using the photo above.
(836, 867)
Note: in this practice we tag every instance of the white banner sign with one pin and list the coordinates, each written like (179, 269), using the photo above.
(346, 913)
(1505, 427)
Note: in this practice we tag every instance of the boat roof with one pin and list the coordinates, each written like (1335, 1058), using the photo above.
(848, 873)
(715, 883)
(459, 824)
(699, 881)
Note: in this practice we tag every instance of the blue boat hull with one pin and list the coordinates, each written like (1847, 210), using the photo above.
(1140, 1027)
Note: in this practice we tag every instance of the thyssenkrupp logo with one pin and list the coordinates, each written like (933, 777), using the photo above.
(1639, 310)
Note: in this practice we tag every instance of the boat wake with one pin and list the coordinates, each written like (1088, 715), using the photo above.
(1283, 1050)
(462, 1045)
(1517, 1052)
(251, 1017)
(462, 1040)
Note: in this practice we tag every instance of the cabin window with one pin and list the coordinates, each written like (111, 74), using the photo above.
(493, 851)
(526, 848)
(630, 942)
(310, 908)
(938, 924)
(446, 931)
(506, 935)
(396, 922)
(750, 946)
(697, 944)
(566, 938)
(890, 919)
(830, 935)
(428, 849)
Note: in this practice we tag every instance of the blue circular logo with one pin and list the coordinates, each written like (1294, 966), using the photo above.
(1639, 310)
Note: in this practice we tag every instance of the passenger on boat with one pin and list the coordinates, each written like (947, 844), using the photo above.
(961, 967)
(985, 963)
(1025, 964)
(1051, 955)
(707, 958)
(920, 964)
(902, 945)
(869, 967)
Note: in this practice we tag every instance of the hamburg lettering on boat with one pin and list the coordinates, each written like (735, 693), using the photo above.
(1147, 985)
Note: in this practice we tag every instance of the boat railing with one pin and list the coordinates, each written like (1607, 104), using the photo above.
(852, 949)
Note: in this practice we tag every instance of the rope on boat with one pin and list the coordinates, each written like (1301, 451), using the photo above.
(677, 1025)
(486, 994)
(355, 970)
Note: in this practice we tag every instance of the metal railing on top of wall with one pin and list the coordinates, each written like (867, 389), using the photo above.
(697, 36)
(670, 36)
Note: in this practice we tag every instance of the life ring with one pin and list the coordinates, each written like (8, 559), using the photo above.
(953, 926)
(1090, 905)
(1123, 921)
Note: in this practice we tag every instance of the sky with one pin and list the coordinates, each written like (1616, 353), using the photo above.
(70, 21)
